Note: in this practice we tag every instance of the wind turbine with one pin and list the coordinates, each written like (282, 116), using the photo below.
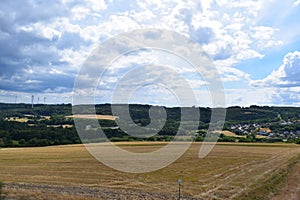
(32, 98)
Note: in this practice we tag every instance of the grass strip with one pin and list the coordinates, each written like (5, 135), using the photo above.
(271, 186)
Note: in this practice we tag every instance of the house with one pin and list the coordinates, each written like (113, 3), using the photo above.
(262, 133)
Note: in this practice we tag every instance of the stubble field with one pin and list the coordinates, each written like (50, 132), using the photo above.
(230, 171)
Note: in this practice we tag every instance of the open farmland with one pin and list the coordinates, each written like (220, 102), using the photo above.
(229, 133)
(230, 171)
(17, 119)
(102, 117)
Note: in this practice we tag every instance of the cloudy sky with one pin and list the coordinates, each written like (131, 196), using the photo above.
(255, 45)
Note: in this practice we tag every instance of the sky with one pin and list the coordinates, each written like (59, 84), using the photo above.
(254, 45)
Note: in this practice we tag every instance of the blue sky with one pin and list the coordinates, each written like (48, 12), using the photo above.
(255, 46)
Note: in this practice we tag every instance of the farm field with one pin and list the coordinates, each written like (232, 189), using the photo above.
(103, 117)
(229, 133)
(230, 171)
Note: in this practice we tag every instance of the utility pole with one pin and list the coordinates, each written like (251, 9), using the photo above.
(179, 184)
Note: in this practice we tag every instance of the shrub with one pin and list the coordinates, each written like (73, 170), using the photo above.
(2, 196)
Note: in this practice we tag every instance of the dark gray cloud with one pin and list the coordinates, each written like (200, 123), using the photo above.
(34, 83)
(223, 54)
(202, 35)
(29, 59)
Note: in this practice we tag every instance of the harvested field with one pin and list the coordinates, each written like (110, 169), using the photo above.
(63, 126)
(104, 117)
(230, 171)
(260, 136)
(18, 119)
(267, 130)
(232, 134)
(291, 189)
(229, 133)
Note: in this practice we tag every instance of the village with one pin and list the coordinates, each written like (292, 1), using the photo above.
(284, 130)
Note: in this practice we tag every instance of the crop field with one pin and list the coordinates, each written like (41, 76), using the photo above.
(229, 133)
(18, 119)
(103, 117)
(230, 171)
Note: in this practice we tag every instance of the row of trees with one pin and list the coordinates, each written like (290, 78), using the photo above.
(16, 134)
(141, 112)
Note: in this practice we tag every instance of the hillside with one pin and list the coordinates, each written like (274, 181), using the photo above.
(43, 125)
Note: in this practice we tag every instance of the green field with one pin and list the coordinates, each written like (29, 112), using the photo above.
(230, 171)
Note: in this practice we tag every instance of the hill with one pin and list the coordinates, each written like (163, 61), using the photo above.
(42, 125)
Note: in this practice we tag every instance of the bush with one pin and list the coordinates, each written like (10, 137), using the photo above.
(2, 196)
(199, 138)
(227, 139)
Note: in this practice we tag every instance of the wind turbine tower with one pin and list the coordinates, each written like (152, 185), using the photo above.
(32, 98)
(44, 100)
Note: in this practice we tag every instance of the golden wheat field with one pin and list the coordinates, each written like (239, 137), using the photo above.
(230, 171)
(102, 117)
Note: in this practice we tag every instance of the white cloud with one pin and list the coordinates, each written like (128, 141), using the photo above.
(296, 3)
(64, 24)
(230, 74)
(233, 25)
(142, 17)
(96, 5)
(264, 36)
(56, 71)
(73, 58)
(247, 97)
(287, 75)
(32, 81)
(64, 34)
(286, 96)
(80, 12)
(41, 30)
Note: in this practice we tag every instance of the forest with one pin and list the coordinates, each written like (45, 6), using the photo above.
(43, 125)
